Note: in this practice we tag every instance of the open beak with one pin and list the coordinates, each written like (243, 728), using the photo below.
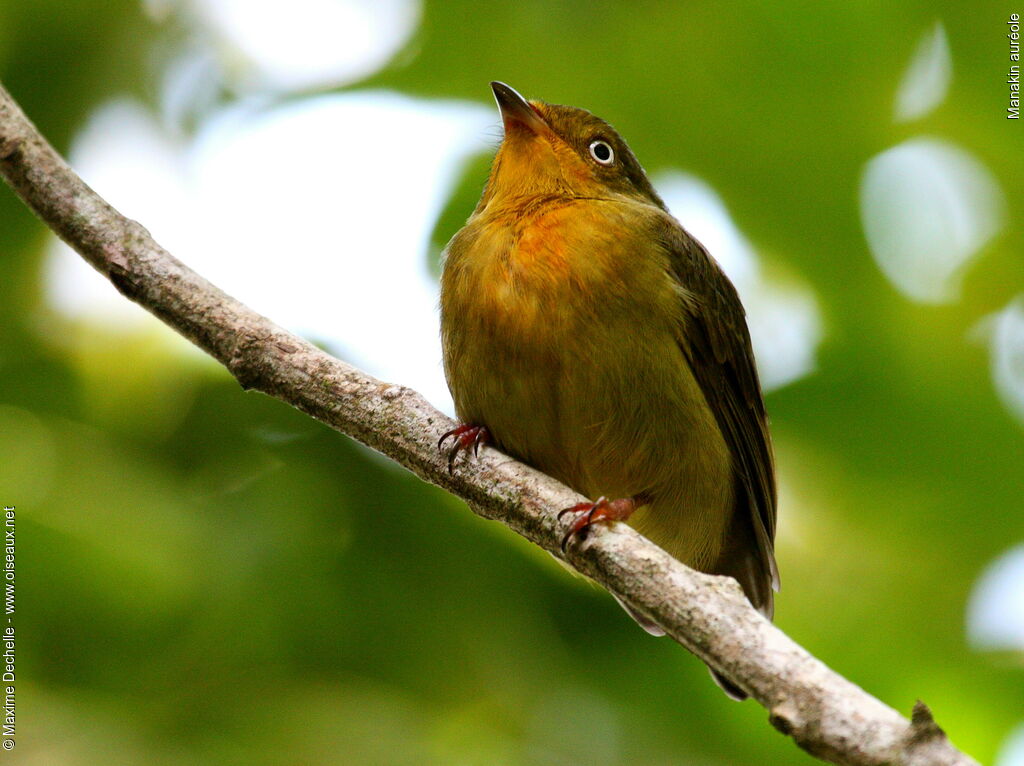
(516, 110)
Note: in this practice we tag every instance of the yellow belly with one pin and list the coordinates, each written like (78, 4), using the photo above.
(566, 345)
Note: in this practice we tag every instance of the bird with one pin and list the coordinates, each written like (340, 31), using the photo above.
(586, 333)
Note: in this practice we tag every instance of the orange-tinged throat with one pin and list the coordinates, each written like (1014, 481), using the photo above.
(530, 165)
(526, 165)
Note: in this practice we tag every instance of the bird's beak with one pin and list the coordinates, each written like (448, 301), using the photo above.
(516, 111)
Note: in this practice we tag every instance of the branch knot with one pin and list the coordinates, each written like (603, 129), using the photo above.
(8, 146)
(922, 725)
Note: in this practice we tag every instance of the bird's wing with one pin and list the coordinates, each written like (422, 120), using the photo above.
(717, 345)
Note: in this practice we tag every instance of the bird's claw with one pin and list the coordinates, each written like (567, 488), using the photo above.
(466, 437)
(600, 510)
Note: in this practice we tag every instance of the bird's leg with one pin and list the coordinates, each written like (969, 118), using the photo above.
(466, 437)
(601, 510)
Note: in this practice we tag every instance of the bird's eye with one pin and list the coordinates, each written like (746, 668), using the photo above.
(602, 152)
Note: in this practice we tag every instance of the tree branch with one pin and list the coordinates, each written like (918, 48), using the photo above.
(825, 714)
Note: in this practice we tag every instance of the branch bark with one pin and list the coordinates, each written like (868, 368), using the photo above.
(825, 714)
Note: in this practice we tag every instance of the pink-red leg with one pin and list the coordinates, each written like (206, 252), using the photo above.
(602, 509)
(466, 437)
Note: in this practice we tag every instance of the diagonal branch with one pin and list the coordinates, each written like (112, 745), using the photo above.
(825, 714)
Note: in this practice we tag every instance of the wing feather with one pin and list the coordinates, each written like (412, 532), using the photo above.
(717, 346)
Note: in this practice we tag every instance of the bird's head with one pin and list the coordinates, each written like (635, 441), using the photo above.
(556, 150)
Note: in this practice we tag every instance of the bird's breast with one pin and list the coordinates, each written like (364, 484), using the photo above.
(561, 330)
(537, 271)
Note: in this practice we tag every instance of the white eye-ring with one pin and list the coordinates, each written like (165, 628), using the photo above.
(602, 152)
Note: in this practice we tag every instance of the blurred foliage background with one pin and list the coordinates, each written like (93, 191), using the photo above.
(206, 576)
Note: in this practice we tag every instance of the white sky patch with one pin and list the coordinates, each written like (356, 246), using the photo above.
(308, 43)
(927, 207)
(926, 81)
(317, 214)
(1012, 751)
(784, 321)
(1006, 342)
(995, 612)
(190, 85)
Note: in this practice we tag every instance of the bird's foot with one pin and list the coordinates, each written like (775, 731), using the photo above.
(466, 437)
(601, 510)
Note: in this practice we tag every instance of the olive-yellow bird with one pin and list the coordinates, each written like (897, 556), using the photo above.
(586, 333)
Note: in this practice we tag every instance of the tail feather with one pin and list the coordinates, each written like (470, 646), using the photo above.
(731, 690)
(650, 626)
